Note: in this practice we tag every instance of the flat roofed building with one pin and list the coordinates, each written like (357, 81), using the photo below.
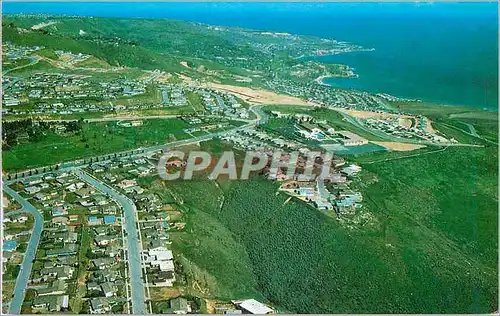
(351, 139)
(255, 307)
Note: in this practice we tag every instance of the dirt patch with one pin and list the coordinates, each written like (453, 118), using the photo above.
(369, 114)
(428, 127)
(174, 215)
(397, 146)
(258, 96)
(405, 121)
(210, 306)
(165, 293)
(42, 25)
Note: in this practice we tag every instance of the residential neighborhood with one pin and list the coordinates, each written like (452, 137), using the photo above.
(236, 158)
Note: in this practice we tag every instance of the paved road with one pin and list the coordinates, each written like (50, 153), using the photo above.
(29, 255)
(133, 245)
(472, 129)
(408, 156)
(32, 59)
(122, 118)
(472, 132)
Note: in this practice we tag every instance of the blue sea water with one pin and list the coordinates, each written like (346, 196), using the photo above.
(438, 52)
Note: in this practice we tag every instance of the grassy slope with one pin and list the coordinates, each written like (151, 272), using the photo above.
(306, 262)
(214, 258)
(10, 64)
(118, 54)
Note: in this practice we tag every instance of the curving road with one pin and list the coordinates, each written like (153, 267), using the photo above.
(25, 272)
(33, 60)
(133, 244)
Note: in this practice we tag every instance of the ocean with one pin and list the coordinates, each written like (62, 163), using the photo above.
(437, 52)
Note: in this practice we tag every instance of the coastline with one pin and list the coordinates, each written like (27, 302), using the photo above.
(319, 80)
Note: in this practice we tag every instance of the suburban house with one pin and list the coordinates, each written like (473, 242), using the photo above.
(51, 303)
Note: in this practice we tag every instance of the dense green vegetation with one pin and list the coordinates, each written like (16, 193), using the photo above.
(214, 258)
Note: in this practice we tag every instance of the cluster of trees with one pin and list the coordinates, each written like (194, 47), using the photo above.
(22, 130)
(28, 130)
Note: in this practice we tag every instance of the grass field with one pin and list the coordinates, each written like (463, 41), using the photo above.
(195, 101)
(95, 139)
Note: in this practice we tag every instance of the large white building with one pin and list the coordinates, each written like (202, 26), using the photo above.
(255, 307)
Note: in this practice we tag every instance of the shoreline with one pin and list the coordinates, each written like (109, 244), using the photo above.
(319, 80)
